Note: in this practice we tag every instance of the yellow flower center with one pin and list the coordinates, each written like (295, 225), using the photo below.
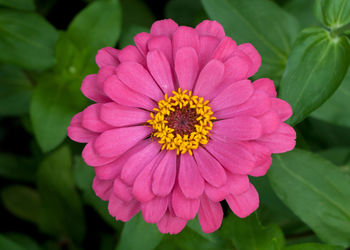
(182, 122)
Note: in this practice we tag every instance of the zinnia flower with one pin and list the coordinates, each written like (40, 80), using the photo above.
(178, 127)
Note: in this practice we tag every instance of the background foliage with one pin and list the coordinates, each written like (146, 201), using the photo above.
(48, 46)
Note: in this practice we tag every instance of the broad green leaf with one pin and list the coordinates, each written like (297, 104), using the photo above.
(53, 105)
(249, 234)
(312, 246)
(128, 35)
(61, 208)
(303, 11)
(17, 167)
(136, 13)
(18, 4)
(137, 234)
(338, 156)
(23, 240)
(26, 39)
(22, 201)
(8, 244)
(185, 12)
(335, 109)
(196, 227)
(316, 191)
(15, 91)
(255, 21)
(315, 68)
(333, 13)
(97, 26)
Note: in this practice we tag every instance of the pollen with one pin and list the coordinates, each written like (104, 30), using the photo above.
(182, 122)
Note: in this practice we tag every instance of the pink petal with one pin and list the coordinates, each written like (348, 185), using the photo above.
(91, 158)
(283, 108)
(119, 116)
(209, 78)
(225, 49)
(207, 45)
(244, 204)
(190, 181)
(120, 93)
(235, 94)
(216, 194)
(159, 68)
(163, 27)
(270, 121)
(131, 54)
(282, 140)
(261, 169)
(263, 159)
(163, 44)
(154, 210)
(104, 73)
(209, 168)
(122, 190)
(210, 28)
(102, 188)
(107, 57)
(77, 133)
(210, 215)
(115, 142)
(91, 119)
(92, 90)
(238, 128)
(185, 37)
(138, 79)
(164, 175)
(266, 85)
(254, 56)
(237, 184)
(170, 224)
(184, 208)
(141, 41)
(122, 210)
(186, 67)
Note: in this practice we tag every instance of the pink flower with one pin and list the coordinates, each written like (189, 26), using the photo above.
(178, 127)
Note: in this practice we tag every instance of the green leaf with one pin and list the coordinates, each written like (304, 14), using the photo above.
(254, 21)
(316, 191)
(312, 246)
(136, 13)
(128, 35)
(249, 234)
(61, 212)
(333, 13)
(22, 201)
(23, 240)
(185, 12)
(18, 4)
(303, 11)
(26, 39)
(97, 26)
(8, 244)
(316, 67)
(15, 91)
(137, 234)
(335, 109)
(17, 168)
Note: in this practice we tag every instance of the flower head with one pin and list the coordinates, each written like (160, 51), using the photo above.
(178, 127)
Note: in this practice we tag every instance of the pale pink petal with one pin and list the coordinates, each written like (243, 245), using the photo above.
(270, 121)
(107, 57)
(115, 142)
(119, 116)
(237, 184)
(159, 68)
(122, 210)
(244, 204)
(209, 168)
(122, 190)
(216, 194)
(283, 108)
(91, 119)
(120, 93)
(282, 140)
(207, 45)
(154, 210)
(238, 128)
(254, 56)
(163, 27)
(141, 41)
(102, 188)
(225, 49)
(138, 79)
(210, 28)
(209, 78)
(235, 94)
(190, 181)
(186, 67)
(266, 85)
(210, 215)
(92, 90)
(165, 174)
(131, 54)
(185, 37)
(91, 158)
(163, 44)
(171, 224)
(77, 133)
(184, 207)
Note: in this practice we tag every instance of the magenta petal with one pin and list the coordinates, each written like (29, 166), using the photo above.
(225, 49)
(165, 174)
(92, 159)
(185, 37)
(270, 121)
(77, 133)
(184, 207)
(92, 90)
(107, 57)
(104, 73)
(163, 44)
(207, 45)
(163, 27)
(119, 116)
(170, 224)
(122, 190)
(115, 142)
(159, 67)
(210, 28)
(261, 169)
(244, 204)
(209, 78)
(186, 67)
(237, 68)
(138, 79)
(102, 188)
(154, 210)
(254, 56)
(210, 215)
(266, 85)
(91, 119)
(141, 41)
(122, 210)
(131, 54)
(237, 184)
(190, 181)
(209, 168)
(216, 194)
(283, 108)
